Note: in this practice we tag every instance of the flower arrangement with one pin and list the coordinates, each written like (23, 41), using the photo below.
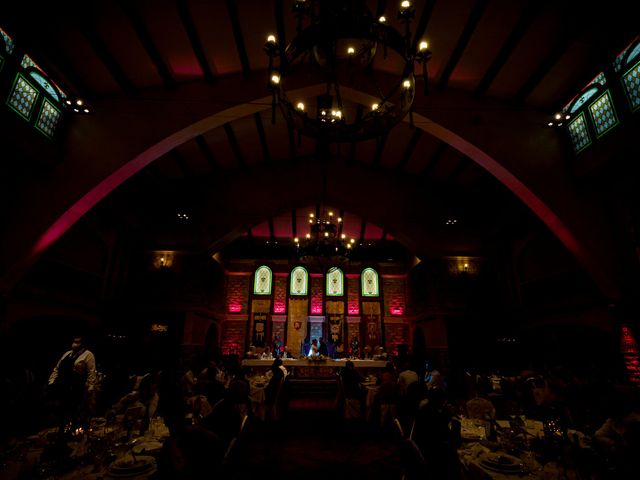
(316, 358)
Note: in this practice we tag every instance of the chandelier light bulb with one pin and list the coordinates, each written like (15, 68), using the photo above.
(382, 19)
(423, 46)
(374, 106)
(550, 124)
(311, 215)
(352, 240)
(558, 116)
(339, 219)
(343, 236)
(310, 221)
(326, 234)
(405, 4)
(275, 79)
(331, 214)
(348, 246)
(296, 239)
(79, 102)
(300, 106)
(271, 39)
(406, 84)
(351, 50)
(308, 235)
(567, 117)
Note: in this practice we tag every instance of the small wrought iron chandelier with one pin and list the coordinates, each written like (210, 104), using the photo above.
(336, 44)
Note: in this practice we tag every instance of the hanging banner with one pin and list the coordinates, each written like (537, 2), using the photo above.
(297, 325)
(335, 316)
(371, 321)
(259, 316)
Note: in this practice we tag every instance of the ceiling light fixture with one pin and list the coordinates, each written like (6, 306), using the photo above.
(337, 44)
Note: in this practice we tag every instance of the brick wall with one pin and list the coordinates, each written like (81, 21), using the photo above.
(394, 296)
(353, 295)
(395, 333)
(317, 291)
(280, 294)
(237, 293)
(233, 336)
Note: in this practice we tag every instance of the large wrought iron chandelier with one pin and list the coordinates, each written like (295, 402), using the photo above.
(337, 44)
(325, 244)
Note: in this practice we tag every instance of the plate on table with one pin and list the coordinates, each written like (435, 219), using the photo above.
(151, 446)
(129, 467)
(501, 462)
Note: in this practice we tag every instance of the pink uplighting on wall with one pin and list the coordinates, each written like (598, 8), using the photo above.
(279, 307)
(353, 309)
(316, 308)
(397, 310)
(235, 308)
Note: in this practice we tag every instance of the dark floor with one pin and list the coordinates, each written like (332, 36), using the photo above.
(313, 442)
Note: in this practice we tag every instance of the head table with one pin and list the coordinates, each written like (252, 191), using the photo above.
(307, 368)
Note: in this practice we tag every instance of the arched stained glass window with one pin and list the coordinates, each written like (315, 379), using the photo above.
(299, 281)
(370, 286)
(335, 282)
(262, 281)
(28, 62)
(44, 83)
(8, 42)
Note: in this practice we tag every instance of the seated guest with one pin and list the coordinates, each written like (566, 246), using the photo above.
(480, 407)
(266, 354)
(432, 377)
(351, 381)
(313, 350)
(322, 348)
(286, 353)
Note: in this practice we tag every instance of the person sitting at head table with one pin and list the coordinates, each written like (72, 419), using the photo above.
(286, 353)
(313, 349)
(267, 355)
(322, 348)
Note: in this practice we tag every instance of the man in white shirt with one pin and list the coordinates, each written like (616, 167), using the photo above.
(73, 382)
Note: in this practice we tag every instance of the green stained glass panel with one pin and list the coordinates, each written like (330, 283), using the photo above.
(631, 82)
(27, 62)
(262, 281)
(579, 133)
(335, 282)
(369, 283)
(603, 114)
(23, 97)
(299, 281)
(48, 119)
(8, 42)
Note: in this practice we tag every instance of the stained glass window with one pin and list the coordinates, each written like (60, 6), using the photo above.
(27, 62)
(335, 282)
(370, 283)
(631, 82)
(622, 60)
(262, 281)
(44, 83)
(299, 281)
(8, 42)
(22, 97)
(48, 118)
(603, 114)
(579, 133)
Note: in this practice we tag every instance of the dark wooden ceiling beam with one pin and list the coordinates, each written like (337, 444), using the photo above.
(566, 38)
(107, 59)
(232, 9)
(292, 142)
(529, 14)
(294, 223)
(203, 146)
(408, 151)
(381, 142)
(235, 146)
(264, 146)
(421, 28)
(139, 27)
(208, 71)
(463, 164)
(272, 231)
(435, 158)
(282, 41)
(472, 22)
(182, 163)
(363, 229)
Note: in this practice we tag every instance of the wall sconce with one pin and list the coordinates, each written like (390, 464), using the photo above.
(163, 260)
